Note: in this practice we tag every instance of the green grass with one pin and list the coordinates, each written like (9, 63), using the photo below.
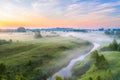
(112, 73)
(43, 54)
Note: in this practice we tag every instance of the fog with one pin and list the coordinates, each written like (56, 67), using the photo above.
(100, 38)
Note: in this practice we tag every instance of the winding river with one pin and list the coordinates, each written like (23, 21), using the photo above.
(66, 71)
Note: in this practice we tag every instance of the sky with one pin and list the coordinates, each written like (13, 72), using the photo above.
(59, 13)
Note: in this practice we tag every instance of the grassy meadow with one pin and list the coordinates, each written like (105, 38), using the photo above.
(23, 57)
(37, 59)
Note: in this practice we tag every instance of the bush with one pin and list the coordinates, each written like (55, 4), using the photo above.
(106, 48)
(19, 77)
(98, 78)
(58, 78)
(2, 68)
(90, 78)
(29, 63)
(10, 40)
(94, 55)
(5, 42)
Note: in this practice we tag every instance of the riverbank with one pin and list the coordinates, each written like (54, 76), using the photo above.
(86, 70)
(66, 71)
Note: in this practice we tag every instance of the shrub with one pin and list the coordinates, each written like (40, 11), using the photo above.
(29, 63)
(98, 78)
(58, 78)
(4, 42)
(94, 55)
(90, 78)
(2, 68)
(19, 77)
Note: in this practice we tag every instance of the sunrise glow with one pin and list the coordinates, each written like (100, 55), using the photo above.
(59, 13)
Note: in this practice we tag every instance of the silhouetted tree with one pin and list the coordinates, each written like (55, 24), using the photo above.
(37, 34)
(21, 29)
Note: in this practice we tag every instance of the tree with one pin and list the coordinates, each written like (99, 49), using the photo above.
(114, 45)
(103, 62)
(10, 41)
(38, 34)
(108, 32)
(117, 34)
(118, 47)
(99, 60)
(94, 55)
(21, 29)
(58, 78)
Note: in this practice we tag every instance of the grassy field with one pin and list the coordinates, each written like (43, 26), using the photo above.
(38, 59)
(85, 70)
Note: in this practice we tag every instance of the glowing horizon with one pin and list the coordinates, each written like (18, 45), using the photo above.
(56, 13)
